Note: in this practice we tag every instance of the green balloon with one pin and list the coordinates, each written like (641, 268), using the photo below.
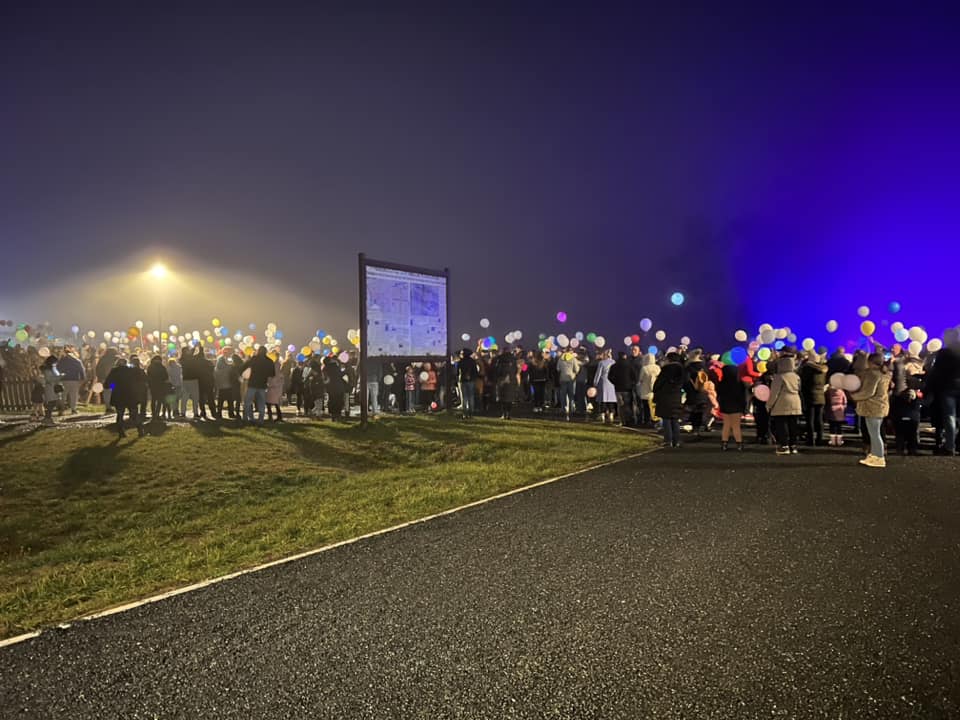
(591, 337)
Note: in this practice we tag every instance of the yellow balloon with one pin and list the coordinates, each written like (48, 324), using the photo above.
(248, 351)
(215, 322)
(305, 350)
(761, 367)
(868, 328)
(163, 336)
(326, 339)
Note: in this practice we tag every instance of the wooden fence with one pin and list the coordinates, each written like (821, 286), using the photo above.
(16, 395)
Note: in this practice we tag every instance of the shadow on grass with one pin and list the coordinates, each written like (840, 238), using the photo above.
(95, 463)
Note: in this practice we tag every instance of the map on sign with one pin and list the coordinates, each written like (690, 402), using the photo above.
(406, 313)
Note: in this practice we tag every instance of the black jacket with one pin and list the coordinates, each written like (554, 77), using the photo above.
(731, 392)
(623, 375)
(467, 370)
(261, 369)
(667, 389)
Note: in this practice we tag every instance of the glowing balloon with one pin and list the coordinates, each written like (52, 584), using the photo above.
(465, 337)
(74, 329)
(902, 334)
(301, 357)
(174, 329)
(634, 339)
(764, 353)
(628, 341)
(424, 376)
(915, 347)
(851, 383)
(645, 324)
(808, 343)
(133, 332)
(738, 355)
(781, 334)
(896, 326)
(792, 338)
(600, 341)
(562, 340)
(561, 317)
(918, 334)
(574, 343)
(740, 336)
(935, 345)
(388, 379)
(661, 335)
(508, 338)
(591, 392)
(764, 328)
(344, 357)
(726, 359)
(832, 326)
(653, 350)
(677, 299)
(252, 326)
(579, 335)
(761, 392)
(685, 340)
(44, 352)
(215, 322)
(97, 387)
(91, 334)
(863, 311)
(868, 328)
(591, 337)
(768, 337)
(894, 307)
(484, 323)
(761, 367)
(517, 335)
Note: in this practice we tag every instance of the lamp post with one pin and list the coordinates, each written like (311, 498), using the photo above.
(159, 272)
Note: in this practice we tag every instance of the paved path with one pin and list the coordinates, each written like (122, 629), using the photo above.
(686, 584)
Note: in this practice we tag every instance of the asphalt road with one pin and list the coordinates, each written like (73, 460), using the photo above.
(684, 584)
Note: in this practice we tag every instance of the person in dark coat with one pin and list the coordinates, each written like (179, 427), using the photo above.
(158, 381)
(207, 385)
(624, 377)
(731, 396)
(507, 376)
(296, 385)
(667, 398)
(943, 384)
(467, 374)
(127, 385)
(336, 381)
(105, 365)
(261, 369)
(813, 380)
(838, 363)
(697, 399)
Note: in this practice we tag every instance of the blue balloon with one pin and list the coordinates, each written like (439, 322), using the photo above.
(252, 326)
(653, 350)
(301, 357)
(894, 307)
(321, 334)
(738, 355)
(278, 334)
(902, 335)
(677, 298)
(778, 345)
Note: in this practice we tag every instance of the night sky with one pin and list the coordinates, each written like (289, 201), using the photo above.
(778, 163)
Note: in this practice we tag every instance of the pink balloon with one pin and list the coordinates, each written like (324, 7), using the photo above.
(761, 392)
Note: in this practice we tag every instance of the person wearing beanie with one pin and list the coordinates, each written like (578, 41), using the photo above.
(873, 405)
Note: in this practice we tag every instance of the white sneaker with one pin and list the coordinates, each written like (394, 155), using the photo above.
(874, 461)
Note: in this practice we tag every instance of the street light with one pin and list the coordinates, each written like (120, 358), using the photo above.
(159, 270)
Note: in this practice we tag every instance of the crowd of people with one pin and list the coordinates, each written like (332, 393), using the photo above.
(791, 396)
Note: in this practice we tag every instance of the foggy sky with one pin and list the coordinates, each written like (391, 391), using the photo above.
(763, 159)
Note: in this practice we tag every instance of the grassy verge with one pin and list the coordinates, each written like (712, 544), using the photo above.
(87, 522)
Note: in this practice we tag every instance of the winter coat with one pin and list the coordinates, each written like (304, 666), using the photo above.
(221, 373)
(667, 390)
(785, 390)
(70, 368)
(944, 376)
(731, 392)
(467, 371)
(637, 362)
(648, 376)
(505, 370)
(275, 386)
(51, 378)
(838, 363)
(623, 376)
(567, 369)
(606, 392)
(105, 364)
(747, 372)
(175, 373)
(836, 410)
(261, 369)
(813, 379)
(873, 397)
(157, 380)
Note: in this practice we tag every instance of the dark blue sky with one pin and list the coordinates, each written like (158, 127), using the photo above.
(775, 163)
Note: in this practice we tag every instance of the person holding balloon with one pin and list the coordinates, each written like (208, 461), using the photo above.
(785, 406)
(873, 405)
(731, 398)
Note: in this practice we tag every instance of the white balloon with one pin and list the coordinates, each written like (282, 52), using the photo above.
(768, 337)
(484, 323)
(563, 340)
(465, 337)
(740, 336)
(918, 334)
(627, 340)
(139, 324)
(791, 338)
(685, 340)
(600, 341)
(896, 327)
(863, 311)
(851, 383)
(574, 343)
(578, 335)
(424, 376)
(935, 345)
(836, 380)
(661, 335)
(832, 326)
(809, 343)
(915, 347)
(508, 338)
(388, 379)
(781, 334)
(766, 327)
(517, 335)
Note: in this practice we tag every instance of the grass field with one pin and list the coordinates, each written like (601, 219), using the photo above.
(87, 523)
